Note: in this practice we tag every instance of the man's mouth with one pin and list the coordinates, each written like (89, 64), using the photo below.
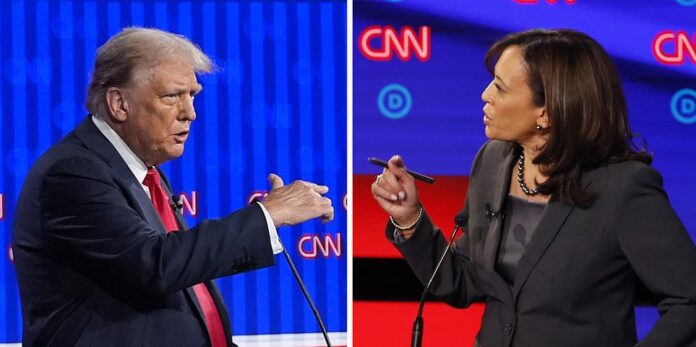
(181, 137)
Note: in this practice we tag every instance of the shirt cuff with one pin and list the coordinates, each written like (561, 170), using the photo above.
(272, 231)
(398, 236)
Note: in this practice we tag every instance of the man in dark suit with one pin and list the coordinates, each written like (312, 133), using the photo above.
(102, 257)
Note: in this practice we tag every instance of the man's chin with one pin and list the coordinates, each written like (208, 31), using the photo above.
(171, 153)
(176, 151)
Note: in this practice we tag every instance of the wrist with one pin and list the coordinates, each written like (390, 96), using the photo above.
(409, 223)
(408, 218)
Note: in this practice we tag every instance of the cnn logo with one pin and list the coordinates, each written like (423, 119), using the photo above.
(681, 44)
(311, 246)
(404, 44)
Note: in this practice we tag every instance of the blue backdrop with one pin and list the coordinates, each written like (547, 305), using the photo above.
(430, 111)
(278, 105)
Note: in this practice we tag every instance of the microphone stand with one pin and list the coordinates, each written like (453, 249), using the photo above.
(417, 331)
(306, 294)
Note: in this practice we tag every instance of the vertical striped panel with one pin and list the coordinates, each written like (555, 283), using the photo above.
(329, 131)
(90, 33)
(342, 161)
(283, 119)
(19, 156)
(5, 266)
(257, 33)
(113, 17)
(137, 14)
(306, 150)
(43, 92)
(238, 310)
(65, 115)
(188, 160)
(210, 115)
(161, 18)
(266, 112)
(21, 67)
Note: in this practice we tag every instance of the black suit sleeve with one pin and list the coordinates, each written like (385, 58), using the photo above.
(661, 253)
(89, 223)
(457, 280)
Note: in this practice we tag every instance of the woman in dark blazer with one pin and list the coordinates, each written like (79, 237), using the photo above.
(566, 218)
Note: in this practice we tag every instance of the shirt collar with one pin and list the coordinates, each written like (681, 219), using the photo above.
(135, 164)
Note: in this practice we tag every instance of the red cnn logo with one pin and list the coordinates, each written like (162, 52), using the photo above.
(680, 41)
(189, 205)
(402, 44)
(552, 2)
(311, 245)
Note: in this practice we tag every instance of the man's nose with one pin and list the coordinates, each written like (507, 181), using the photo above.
(188, 111)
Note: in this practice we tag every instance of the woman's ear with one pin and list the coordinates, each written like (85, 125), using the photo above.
(543, 119)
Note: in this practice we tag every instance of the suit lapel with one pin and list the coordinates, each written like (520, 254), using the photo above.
(147, 209)
(182, 226)
(212, 288)
(549, 225)
(500, 191)
(95, 141)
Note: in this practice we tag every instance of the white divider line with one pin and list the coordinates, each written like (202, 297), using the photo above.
(290, 340)
(276, 340)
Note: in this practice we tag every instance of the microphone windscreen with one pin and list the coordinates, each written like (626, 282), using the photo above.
(462, 217)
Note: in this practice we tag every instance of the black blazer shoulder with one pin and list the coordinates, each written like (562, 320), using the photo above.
(576, 283)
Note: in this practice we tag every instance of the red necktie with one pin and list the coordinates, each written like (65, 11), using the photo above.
(161, 201)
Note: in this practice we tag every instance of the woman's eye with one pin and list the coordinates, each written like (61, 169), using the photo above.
(497, 86)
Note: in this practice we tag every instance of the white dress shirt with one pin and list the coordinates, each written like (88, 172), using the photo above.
(139, 170)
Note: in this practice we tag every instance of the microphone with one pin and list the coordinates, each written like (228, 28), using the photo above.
(176, 203)
(490, 214)
(306, 294)
(460, 219)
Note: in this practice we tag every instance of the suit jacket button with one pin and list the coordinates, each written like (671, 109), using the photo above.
(508, 329)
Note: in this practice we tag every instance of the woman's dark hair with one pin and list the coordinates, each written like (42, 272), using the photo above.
(573, 77)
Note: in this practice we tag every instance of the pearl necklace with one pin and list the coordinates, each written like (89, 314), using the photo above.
(520, 177)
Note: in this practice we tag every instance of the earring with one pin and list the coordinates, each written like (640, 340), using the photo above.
(538, 127)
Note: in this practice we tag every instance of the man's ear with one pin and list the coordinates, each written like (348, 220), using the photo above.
(116, 104)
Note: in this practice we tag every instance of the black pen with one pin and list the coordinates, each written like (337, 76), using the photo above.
(416, 175)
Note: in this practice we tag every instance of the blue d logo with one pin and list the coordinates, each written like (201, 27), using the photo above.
(394, 101)
(683, 106)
